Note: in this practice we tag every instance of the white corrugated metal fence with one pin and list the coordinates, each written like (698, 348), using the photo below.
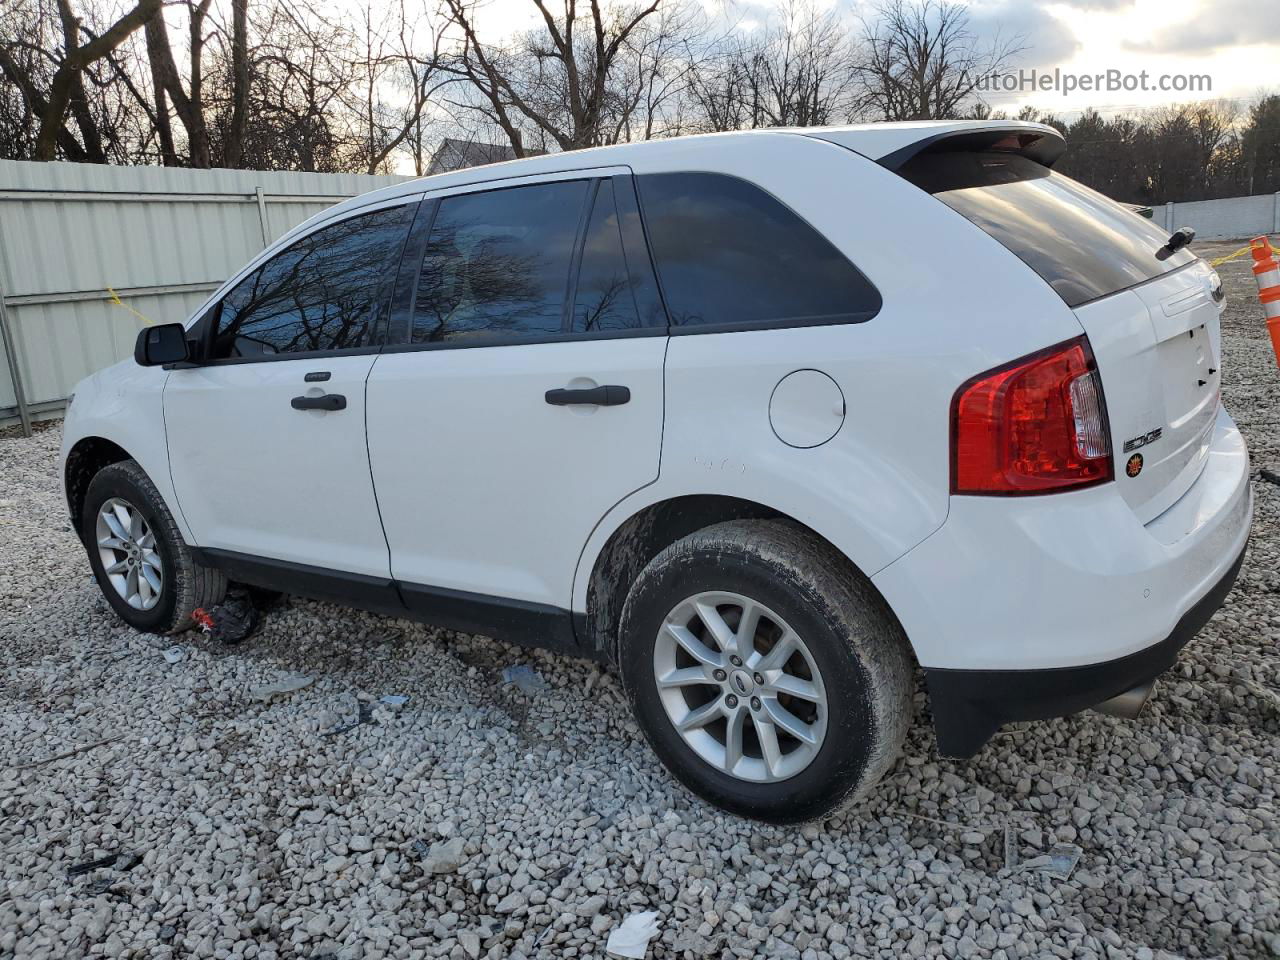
(161, 238)
(164, 238)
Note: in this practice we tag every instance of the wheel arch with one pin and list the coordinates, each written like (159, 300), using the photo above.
(85, 458)
(645, 533)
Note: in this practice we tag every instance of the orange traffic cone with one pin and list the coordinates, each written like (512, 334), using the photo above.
(1266, 270)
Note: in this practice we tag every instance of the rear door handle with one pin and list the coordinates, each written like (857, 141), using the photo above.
(610, 395)
(328, 401)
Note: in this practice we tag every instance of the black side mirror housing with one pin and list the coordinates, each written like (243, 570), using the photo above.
(160, 345)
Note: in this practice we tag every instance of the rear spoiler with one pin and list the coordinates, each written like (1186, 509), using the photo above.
(1044, 145)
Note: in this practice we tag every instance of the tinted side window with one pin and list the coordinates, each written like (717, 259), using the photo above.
(326, 292)
(728, 253)
(497, 264)
(605, 297)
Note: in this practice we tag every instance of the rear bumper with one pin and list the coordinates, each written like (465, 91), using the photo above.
(1032, 607)
(971, 705)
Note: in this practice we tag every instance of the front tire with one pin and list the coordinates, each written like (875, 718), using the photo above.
(143, 566)
(767, 673)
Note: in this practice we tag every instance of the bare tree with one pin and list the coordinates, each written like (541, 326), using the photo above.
(720, 86)
(233, 143)
(920, 61)
(302, 85)
(398, 78)
(188, 103)
(653, 74)
(806, 71)
(301, 72)
(52, 85)
(1213, 127)
(795, 72)
(557, 80)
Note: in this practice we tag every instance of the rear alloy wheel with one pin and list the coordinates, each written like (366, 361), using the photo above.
(765, 671)
(740, 687)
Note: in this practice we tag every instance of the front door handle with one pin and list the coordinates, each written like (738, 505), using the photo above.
(328, 401)
(610, 395)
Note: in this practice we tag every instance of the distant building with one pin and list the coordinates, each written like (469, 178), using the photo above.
(460, 154)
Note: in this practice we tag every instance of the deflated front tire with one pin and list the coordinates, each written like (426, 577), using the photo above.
(142, 565)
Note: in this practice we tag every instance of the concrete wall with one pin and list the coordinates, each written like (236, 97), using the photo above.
(162, 238)
(1231, 218)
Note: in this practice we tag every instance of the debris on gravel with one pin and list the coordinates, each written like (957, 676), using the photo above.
(280, 688)
(475, 820)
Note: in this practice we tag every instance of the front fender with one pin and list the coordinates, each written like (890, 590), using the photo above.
(125, 405)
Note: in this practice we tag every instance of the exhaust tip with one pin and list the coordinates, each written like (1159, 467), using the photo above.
(1128, 705)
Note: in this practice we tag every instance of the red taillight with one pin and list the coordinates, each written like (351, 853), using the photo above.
(1036, 425)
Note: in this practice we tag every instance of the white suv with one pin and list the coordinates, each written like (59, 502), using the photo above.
(763, 419)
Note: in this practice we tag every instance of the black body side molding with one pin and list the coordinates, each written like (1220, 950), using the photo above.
(516, 621)
(378, 594)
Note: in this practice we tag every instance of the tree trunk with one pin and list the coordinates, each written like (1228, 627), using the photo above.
(164, 129)
(233, 155)
(190, 112)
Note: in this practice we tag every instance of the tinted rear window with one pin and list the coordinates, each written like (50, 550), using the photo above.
(728, 255)
(1083, 244)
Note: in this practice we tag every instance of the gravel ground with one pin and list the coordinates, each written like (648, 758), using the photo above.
(478, 819)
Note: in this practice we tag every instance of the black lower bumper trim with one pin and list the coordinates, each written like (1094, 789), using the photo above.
(969, 706)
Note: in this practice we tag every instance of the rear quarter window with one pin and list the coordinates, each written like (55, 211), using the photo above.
(1082, 243)
(730, 255)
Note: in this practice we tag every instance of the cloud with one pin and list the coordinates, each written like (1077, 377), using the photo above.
(1098, 4)
(1045, 39)
(1228, 23)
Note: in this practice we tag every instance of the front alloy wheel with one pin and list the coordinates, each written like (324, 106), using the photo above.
(145, 569)
(127, 549)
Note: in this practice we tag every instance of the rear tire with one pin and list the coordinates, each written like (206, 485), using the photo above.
(134, 546)
(787, 741)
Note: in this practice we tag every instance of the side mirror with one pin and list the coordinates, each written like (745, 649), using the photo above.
(160, 345)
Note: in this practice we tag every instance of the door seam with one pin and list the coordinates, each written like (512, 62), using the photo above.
(373, 483)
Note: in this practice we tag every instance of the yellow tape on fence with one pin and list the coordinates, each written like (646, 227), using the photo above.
(115, 298)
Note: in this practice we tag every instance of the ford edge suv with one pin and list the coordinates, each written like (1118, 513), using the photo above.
(765, 420)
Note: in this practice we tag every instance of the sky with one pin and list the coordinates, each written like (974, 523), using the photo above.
(1235, 43)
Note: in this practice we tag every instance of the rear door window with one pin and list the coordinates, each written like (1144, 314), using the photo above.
(605, 295)
(1082, 243)
(325, 292)
(730, 255)
(496, 266)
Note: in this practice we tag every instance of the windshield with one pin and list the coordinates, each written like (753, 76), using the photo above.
(1083, 244)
